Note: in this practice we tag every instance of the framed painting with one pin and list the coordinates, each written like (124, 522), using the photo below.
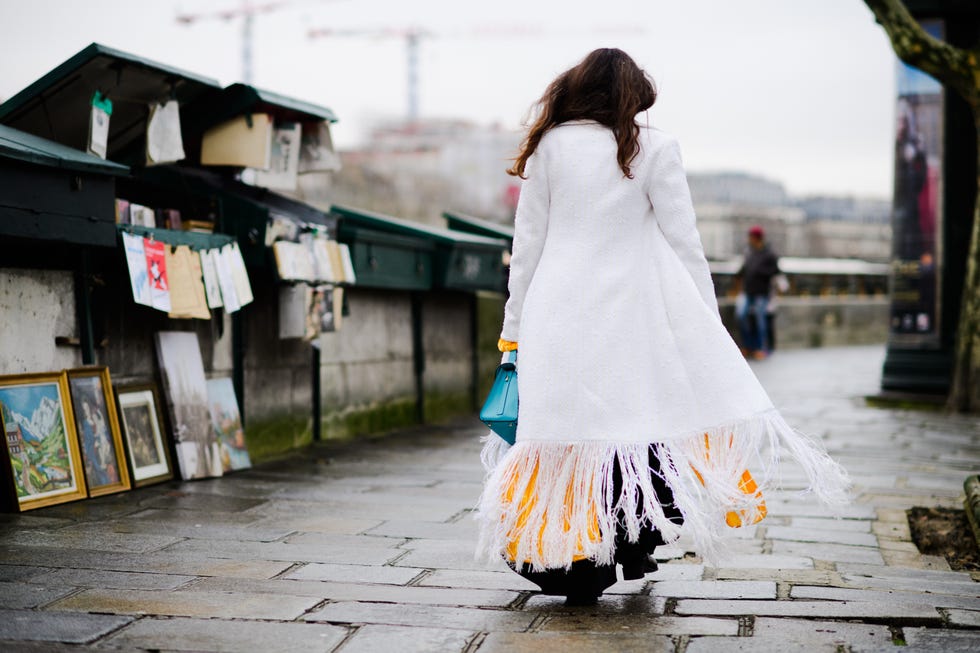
(43, 465)
(99, 438)
(146, 449)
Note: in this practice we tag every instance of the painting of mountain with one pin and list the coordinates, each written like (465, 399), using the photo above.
(40, 441)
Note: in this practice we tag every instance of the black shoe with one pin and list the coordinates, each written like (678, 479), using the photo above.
(650, 566)
(636, 570)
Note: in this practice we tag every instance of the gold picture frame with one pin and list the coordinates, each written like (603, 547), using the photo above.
(42, 464)
(141, 422)
(97, 426)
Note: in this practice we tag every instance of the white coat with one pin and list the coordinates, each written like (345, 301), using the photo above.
(621, 348)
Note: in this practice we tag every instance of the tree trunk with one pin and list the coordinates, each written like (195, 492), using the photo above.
(965, 393)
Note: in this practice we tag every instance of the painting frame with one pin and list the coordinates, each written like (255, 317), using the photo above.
(20, 393)
(145, 397)
(109, 420)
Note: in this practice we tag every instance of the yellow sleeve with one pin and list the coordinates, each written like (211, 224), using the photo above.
(506, 345)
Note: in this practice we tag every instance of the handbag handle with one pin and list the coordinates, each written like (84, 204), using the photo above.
(509, 360)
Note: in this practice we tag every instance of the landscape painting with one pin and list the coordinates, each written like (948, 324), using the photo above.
(227, 424)
(186, 389)
(98, 431)
(43, 464)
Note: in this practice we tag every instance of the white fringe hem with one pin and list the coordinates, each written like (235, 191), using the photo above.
(573, 489)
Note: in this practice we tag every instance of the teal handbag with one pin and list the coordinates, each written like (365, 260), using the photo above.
(499, 411)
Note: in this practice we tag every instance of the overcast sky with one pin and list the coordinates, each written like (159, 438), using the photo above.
(800, 91)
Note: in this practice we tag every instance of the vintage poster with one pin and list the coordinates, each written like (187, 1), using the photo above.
(156, 266)
(209, 271)
(239, 274)
(229, 296)
(187, 299)
(917, 207)
(139, 278)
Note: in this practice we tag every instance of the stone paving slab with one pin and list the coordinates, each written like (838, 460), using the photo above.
(930, 640)
(373, 555)
(499, 642)
(392, 614)
(830, 552)
(499, 580)
(89, 538)
(856, 525)
(405, 639)
(966, 618)
(9, 572)
(201, 500)
(159, 562)
(639, 624)
(355, 510)
(611, 606)
(810, 609)
(359, 592)
(187, 604)
(112, 579)
(48, 626)
(384, 575)
(831, 536)
(330, 540)
(184, 634)
(884, 598)
(198, 529)
(465, 528)
(27, 595)
(765, 561)
(331, 524)
(716, 589)
(857, 636)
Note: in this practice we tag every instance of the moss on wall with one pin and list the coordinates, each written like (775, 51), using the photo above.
(271, 438)
(276, 436)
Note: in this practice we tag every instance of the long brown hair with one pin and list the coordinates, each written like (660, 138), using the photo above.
(607, 87)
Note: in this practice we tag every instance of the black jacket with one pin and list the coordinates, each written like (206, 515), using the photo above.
(760, 266)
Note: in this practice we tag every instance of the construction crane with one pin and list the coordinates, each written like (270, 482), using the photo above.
(414, 35)
(247, 11)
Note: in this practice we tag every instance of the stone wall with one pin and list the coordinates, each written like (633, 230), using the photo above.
(36, 306)
(802, 322)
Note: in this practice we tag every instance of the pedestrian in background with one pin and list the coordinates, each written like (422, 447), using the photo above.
(758, 269)
(637, 413)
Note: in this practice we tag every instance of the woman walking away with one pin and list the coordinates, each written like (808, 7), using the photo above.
(638, 414)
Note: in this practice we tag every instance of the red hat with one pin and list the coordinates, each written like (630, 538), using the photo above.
(757, 231)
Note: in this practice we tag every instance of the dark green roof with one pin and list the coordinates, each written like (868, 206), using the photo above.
(57, 106)
(391, 224)
(15, 144)
(479, 226)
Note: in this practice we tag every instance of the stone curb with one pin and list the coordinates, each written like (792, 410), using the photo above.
(972, 504)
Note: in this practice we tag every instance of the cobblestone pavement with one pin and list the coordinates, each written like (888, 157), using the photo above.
(368, 547)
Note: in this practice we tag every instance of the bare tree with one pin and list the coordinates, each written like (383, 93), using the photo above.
(957, 69)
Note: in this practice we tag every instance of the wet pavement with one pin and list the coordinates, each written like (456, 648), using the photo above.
(368, 546)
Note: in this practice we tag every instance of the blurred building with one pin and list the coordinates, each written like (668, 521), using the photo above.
(417, 170)
(728, 203)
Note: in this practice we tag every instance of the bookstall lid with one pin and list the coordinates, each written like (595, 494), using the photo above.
(461, 261)
(58, 105)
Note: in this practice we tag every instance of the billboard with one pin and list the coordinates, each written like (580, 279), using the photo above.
(916, 260)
